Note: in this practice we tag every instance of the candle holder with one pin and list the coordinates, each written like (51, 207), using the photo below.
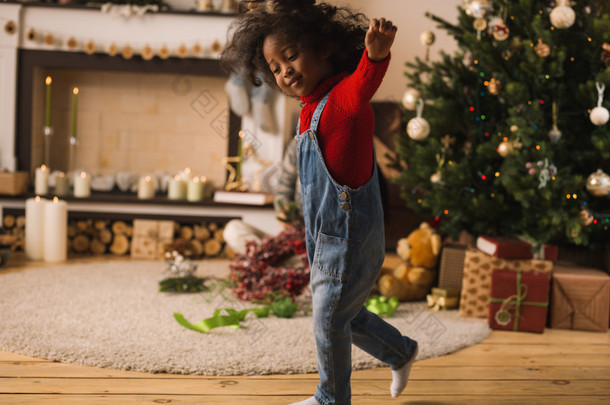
(48, 133)
(72, 154)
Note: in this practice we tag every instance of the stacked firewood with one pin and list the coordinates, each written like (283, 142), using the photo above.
(15, 225)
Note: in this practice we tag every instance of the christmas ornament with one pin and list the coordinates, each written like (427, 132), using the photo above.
(562, 16)
(605, 56)
(600, 115)
(427, 39)
(598, 183)
(498, 29)
(477, 8)
(417, 127)
(586, 218)
(436, 178)
(409, 99)
(479, 24)
(554, 133)
(542, 49)
(494, 86)
(468, 58)
(505, 149)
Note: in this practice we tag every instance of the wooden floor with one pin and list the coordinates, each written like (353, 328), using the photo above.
(557, 367)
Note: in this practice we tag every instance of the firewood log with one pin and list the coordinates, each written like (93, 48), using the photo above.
(120, 244)
(80, 243)
(212, 247)
(9, 221)
(119, 228)
(186, 232)
(97, 247)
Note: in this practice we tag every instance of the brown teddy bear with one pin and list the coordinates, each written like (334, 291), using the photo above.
(412, 280)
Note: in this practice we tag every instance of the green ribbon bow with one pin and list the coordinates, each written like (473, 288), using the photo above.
(232, 319)
(381, 305)
(515, 302)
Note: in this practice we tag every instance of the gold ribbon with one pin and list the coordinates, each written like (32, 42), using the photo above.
(437, 303)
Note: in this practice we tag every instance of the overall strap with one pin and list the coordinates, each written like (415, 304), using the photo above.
(315, 120)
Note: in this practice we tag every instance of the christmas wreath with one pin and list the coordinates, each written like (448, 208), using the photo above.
(278, 265)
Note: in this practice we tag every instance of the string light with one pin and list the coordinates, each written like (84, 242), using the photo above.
(537, 147)
(497, 174)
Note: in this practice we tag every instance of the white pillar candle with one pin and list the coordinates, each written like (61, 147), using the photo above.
(176, 189)
(146, 188)
(34, 228)
(195, 190)
(82, 186)
(41, 180)
(55, 231)
(62, 184)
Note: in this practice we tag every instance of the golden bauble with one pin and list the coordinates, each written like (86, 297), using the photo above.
(494, 86)
(506, 149)
(427, 38)
(542, 49)
(598, 183)
(585, 217)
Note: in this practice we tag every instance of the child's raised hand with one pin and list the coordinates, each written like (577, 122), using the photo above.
(379, 38)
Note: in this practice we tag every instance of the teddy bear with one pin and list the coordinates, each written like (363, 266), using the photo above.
(412, 279)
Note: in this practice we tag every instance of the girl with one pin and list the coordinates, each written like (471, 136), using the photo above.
(333, 62)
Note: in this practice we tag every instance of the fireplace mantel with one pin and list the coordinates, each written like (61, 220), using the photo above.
(88, 25)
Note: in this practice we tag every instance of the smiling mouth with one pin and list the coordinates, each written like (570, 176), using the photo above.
(294, 82)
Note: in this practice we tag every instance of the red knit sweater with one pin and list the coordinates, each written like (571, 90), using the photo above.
(345, 131)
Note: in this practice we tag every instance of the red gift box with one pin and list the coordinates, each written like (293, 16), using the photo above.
(518, 301)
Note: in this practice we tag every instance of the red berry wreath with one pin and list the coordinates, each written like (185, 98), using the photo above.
(264, 269)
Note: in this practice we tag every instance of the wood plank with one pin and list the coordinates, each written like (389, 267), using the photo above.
(285, 399)
(550, 336)
(269, 386)
(421, 371)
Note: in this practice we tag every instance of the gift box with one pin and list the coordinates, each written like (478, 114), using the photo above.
(14, 183)
(580, 298)
(150, 238)
(476, 281)
(518, 301)
(443, 298)
(451, 268)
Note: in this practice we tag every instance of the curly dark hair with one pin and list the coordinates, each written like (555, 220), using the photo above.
(337, 30)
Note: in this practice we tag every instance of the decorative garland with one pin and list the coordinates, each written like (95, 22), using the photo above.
(263, 270)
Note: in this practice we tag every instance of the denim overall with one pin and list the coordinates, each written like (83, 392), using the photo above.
(345, 246)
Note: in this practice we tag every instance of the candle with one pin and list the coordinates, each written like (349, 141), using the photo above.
(41, 180)
(34, 228)
(82, 186)
(146, 188)
(195, 190)
(62, 184)
(55, 230)
(47, 115)
(74, 110)
(176, 189)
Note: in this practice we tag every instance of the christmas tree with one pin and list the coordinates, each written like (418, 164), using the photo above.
(509, 135)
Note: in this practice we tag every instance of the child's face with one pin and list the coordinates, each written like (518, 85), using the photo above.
(297, 72)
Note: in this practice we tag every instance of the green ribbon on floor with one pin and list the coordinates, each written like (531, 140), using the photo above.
(232, 318)
(381, 305)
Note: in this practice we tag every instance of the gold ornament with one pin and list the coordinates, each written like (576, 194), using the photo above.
(598, 184)
(586, 218)
(447, 141)
(554, 134)
(164, 52)
(542, 49)
(127, 52)
(10, 27)
(494, 86)
(147, 53)
(31, 35)
(113, 50)
(90, 48)
(216, 46)
(72, 43)
(427, 38)
(479, 24)
(506, 149)
(183, 51)
(409, 99)
(197, 49)
(562, 16)
(49, 39)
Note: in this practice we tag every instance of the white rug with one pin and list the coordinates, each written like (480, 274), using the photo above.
(110, 314)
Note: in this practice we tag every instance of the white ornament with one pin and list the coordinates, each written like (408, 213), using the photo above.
(562, 16)
(417, 127)
(436, 178)
(554, 134)
(409, 99)
(477, 8)
(427, 38)
(599, 115)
